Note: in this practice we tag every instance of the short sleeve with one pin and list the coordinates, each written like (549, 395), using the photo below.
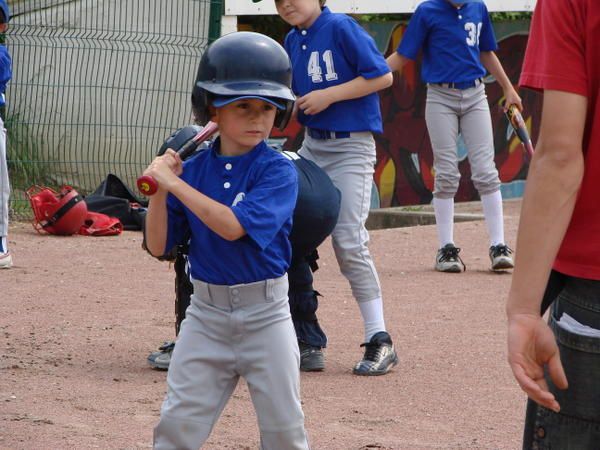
(487, 38)
(360, 50)
(5, 68)
(414, 36)
(269, 203)
(555, 55)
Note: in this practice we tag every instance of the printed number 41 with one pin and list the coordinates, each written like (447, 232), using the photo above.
(474, 32)
(314, 67)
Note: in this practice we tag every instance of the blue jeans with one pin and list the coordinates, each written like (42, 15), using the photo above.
(577, 425)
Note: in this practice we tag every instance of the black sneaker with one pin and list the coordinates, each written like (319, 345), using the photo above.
(162, 358)
(501, 258)
(379, 357)
(311, 358)
(447, 259)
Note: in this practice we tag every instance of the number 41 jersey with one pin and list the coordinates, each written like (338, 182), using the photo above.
(335, 50)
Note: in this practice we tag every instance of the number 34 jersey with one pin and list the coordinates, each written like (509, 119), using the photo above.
(335, 50)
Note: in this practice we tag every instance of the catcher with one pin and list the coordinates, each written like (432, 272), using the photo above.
(315, 216)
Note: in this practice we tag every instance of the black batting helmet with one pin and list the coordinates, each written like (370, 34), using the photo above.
(244, 64)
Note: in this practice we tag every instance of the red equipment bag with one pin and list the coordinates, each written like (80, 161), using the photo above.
(98, 224)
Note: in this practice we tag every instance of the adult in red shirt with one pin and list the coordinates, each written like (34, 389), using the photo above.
(558, 363)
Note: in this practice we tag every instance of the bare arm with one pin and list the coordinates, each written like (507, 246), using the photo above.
(155, 225)
(492, 64)
(316, 101)
(397, 62)
(554, 178)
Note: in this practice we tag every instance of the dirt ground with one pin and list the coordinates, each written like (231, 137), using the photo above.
(79, 315)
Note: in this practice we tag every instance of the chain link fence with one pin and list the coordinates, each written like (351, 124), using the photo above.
(97, 86)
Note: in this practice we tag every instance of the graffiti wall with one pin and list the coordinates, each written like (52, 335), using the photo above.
(404, 170)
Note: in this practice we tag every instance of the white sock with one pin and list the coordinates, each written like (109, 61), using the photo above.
(372, 314)
(3, 245)
(494, 219)
(444, 219)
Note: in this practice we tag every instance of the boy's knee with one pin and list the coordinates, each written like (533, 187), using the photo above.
(446, 185)
(175, 433)
(486, 183)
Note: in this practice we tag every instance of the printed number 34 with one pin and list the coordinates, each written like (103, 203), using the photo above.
(314, 67)
(474, 32)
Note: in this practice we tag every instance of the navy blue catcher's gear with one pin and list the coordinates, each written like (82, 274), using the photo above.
(244, 64)
(179, 138)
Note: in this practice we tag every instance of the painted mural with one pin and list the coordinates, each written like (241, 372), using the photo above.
(404, 173)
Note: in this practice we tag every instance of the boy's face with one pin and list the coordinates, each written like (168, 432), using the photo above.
(298, 13)
(243, 124)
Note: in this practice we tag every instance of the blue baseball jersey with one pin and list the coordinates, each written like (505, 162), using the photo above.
(451, 38)
(261, 188)
(5, 71)
(5, 60)
(335, 50)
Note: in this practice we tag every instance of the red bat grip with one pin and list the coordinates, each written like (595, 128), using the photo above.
(148, 185)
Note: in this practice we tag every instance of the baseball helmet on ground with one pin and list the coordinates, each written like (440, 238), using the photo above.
(61, 213)
(244, 65)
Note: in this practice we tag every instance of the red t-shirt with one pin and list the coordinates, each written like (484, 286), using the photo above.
(563, 54)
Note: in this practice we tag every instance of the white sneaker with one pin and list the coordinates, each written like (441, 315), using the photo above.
(447, 259)
(5, 260)
(500, 257)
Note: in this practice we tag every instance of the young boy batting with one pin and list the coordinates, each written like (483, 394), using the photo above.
(337, 72)
(234, 202)
(458, 43)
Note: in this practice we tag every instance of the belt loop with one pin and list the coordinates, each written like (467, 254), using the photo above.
(202, 291)
(209, 294)
(269, 290)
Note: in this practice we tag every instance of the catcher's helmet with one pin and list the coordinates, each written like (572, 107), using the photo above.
(244, 64)
(60, 213)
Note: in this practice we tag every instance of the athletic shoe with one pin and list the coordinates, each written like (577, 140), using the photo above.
(379, 357)
(5, 260)
(447, 259)
(500, 257)
(311, 358)
(162, 358)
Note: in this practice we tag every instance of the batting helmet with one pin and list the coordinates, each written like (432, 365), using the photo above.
(244, 64)
(60, 213)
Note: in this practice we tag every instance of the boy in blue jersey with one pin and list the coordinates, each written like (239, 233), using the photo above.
(458, 43)
(234, 204)
(337, 72)
(5, 76)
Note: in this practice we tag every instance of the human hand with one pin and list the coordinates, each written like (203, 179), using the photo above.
(512, 98)
(165, 169)
(531, 346)
(314, 102)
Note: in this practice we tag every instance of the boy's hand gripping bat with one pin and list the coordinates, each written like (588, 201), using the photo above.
(148, 185)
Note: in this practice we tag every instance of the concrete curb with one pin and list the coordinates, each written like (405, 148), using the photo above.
(399, 217)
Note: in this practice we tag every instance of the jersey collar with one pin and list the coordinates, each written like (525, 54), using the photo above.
(249, 155)
(321, 20)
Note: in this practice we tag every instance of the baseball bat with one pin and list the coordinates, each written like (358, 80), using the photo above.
(148, 185)
(516, 120)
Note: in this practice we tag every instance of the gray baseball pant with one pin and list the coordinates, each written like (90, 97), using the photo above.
(350, 163)
(231, 331)
(449, 112)
(4, 183)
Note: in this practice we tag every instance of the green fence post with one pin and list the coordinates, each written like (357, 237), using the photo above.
(214, 26)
